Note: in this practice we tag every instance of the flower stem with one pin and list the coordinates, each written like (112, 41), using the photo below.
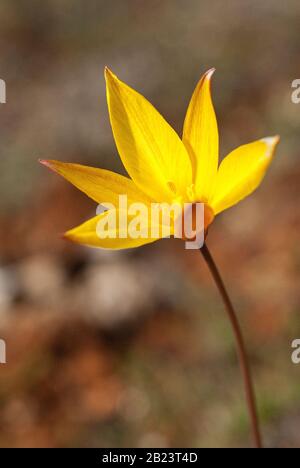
(244, 364)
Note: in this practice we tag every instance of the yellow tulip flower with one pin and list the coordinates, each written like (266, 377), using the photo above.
(167, 170)
(162, 167)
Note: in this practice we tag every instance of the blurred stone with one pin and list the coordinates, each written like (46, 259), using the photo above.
(117, 293)
(106, 256)
(41, 279)
(134, 404)
(286, 432)
(153, 440)
(8, 288)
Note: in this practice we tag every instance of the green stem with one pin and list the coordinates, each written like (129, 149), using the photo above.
(241, 350)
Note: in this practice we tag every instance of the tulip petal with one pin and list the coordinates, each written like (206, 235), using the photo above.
(241, 172)
(201, 137)
(98, 231)
(99, 184)
(151, 151)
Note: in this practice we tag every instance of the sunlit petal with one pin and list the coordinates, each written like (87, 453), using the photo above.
(200, 136)
(115, 230)
(99, 184)
(241, 172)
(151, 151)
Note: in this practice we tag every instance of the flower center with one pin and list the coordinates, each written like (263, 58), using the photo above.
(196, 218)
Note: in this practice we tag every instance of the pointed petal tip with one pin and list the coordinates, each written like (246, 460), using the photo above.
(208, 75)
(210, 72)
(45, 162)
(48, 163)
(271, 141)
(72, 238)
(66, 236)
(205, 80)
(108, 74)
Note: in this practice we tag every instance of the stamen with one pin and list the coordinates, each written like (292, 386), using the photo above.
(172, 186)
(190, 191)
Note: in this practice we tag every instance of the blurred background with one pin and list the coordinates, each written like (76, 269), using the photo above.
(132, 348)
